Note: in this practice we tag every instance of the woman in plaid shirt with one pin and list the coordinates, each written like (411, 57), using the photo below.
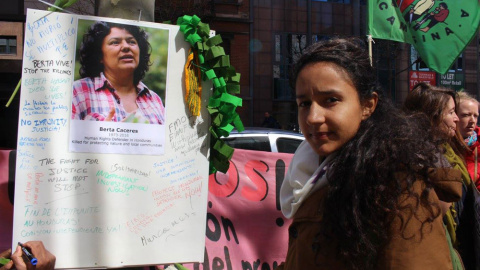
(114, 59)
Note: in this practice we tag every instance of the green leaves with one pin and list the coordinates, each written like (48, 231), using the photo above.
(62, 4)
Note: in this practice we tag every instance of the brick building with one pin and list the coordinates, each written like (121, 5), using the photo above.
(263, 38)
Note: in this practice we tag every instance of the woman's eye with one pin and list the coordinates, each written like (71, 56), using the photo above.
(304, 103)
(133, 42)
(332, 100)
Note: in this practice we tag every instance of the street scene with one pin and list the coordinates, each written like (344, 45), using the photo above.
(240, 134)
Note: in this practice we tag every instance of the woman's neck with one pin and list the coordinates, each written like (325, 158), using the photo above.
(122, 84)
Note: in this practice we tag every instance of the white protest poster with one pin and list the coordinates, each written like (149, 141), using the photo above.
(100, 184)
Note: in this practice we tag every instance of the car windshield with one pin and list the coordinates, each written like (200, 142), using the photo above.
(258, 143)
(269, 140)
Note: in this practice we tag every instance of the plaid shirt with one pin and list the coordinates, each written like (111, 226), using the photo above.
(92, 100)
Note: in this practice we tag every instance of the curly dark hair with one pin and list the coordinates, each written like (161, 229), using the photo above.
(432, 101)
(364, 187)
(91, 49)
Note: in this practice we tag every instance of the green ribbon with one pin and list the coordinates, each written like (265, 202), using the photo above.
(215, 66)
(4, 261)
(180, 267)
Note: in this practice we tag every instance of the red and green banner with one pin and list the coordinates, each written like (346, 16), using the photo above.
(439, 30)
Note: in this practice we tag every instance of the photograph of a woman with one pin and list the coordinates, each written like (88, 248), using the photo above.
(114, 59)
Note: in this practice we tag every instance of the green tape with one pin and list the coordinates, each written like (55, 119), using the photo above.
(185, 19)
(235, 78)
(214, 102)
(210, 74)
(223, 148)
(192, 39)
(4, 261)
(215, 66)
(201, 59)
(219, 163)
(215, 40)
(214, 135)
(221, 89)
(212, 110)
(217, 120)
(237, 122)
(225, 131)
(216, 82)
(230, 71)
(200, 47)
(236, 101)
(222, 81)
(221, 62)
(214, 52)
(203, 29)
(233, 88)
(195, 20)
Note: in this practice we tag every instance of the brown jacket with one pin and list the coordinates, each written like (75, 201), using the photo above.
(409, 252)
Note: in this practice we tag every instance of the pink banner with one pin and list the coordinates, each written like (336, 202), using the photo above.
(245, 227)
(6, 207)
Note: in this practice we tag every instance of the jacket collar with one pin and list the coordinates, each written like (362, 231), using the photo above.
(101, 83)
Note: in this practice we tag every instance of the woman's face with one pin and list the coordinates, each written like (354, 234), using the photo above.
(120, 51)
(468, 116)
(329, 109)
(450, 118)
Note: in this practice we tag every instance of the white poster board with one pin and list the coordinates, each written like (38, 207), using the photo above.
(106, 206)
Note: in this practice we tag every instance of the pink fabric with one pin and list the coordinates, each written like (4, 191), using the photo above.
(6, 208)
(245, 227)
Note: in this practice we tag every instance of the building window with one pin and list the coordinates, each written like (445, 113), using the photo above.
(11, 40)
(457, 65)
(288, 48)
(8, 45)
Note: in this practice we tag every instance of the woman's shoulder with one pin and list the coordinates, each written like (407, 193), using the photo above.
(86, 82)
(151, 94)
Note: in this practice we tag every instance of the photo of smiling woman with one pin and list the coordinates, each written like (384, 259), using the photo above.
(114, 59)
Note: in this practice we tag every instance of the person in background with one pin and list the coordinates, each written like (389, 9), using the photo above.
(439, 105)
(363, 189)
(46, 260)
(468, 115)
(114, 59)
(270, 121)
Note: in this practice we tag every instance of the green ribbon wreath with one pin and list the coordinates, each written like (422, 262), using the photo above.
(215, 66)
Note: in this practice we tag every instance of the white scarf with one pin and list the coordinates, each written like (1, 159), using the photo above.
(304, 176)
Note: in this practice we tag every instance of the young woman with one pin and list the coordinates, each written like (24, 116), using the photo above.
(467, 125)
(362, 189)
(439, 105)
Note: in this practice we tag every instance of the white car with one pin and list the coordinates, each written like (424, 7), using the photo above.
(265, 139)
